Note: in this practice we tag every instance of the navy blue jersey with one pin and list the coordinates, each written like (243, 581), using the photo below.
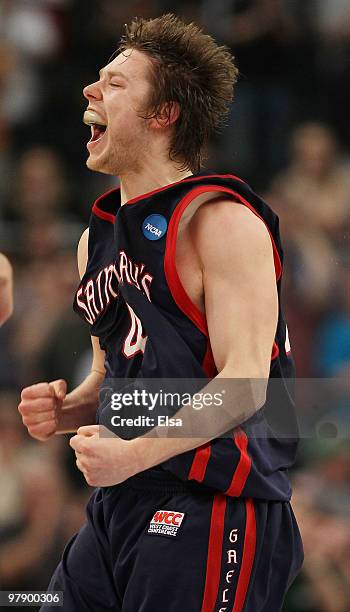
(132, 297)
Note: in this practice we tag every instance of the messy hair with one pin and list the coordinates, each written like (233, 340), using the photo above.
(190, 69)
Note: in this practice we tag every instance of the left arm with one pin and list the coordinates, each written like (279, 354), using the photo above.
(241, 305)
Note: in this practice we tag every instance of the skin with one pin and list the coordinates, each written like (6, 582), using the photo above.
(6, 289)
(134, 149)
(227, 281)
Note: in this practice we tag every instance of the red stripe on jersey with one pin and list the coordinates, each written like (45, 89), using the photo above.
(190, 179)
(110, 217)
(216, 534)
(102, 213)
(249, 547)
(275, 351)
(202, 453)
(176, 288)
(244, 465)
(208, 363)
(200, 462)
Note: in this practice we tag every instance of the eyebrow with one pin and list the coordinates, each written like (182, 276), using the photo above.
(103, 71)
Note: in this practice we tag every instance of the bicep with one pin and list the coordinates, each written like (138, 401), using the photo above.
(240, 290)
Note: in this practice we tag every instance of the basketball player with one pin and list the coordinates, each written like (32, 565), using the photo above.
(180, 276)
(6, 290)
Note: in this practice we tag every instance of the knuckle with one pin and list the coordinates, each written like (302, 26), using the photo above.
(44, 429)
(50, 405)
(23, 393)
(47, 404)
(23, 407)
(84, 448)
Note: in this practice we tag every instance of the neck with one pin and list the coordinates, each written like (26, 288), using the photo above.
(134, 184)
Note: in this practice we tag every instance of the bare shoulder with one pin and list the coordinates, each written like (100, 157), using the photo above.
(229, 226)
(82, 253)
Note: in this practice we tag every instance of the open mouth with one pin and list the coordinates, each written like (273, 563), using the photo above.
(98, 127)
(97, 131)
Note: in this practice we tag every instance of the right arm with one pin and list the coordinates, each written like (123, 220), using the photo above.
(46, 408)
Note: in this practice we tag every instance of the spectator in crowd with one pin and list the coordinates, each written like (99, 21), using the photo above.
(331, 20)
(322, 506)
(332, 350)
(38, 509)
(5, 135)
(46, 286)
(316, 184)
(312, 198)
(41, 191)
(260, 34)
(31, 37)
(31, 501)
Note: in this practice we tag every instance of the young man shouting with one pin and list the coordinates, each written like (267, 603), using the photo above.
(180, 277)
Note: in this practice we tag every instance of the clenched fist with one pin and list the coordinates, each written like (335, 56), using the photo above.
(40, 408)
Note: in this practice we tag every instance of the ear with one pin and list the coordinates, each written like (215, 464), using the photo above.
(168, 115)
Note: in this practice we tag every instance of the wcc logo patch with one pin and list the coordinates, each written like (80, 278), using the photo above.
(166, 523)
(154, 227)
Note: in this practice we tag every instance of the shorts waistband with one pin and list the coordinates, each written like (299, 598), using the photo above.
(162, 481)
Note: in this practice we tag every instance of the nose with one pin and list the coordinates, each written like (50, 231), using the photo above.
(92, 91)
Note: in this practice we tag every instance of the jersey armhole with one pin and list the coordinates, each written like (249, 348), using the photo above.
(175, 285)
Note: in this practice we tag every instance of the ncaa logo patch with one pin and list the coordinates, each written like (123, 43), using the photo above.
(166, 523)
(154, 227)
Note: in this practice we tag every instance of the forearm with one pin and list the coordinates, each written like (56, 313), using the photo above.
(242, 398)
(79, 406)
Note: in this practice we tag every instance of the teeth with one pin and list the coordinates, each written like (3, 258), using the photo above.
(92, 118)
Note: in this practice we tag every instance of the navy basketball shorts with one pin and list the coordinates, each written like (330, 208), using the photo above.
(156, 544)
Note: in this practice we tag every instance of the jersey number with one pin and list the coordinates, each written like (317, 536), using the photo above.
(134, 342)
(287, 344)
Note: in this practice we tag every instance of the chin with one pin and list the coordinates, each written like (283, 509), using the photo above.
(97, 166)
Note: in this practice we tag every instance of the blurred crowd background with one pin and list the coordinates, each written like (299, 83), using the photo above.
(288, 135)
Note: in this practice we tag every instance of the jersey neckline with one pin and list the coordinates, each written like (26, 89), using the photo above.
(187, 179)
(146, 195)
(108, 216)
